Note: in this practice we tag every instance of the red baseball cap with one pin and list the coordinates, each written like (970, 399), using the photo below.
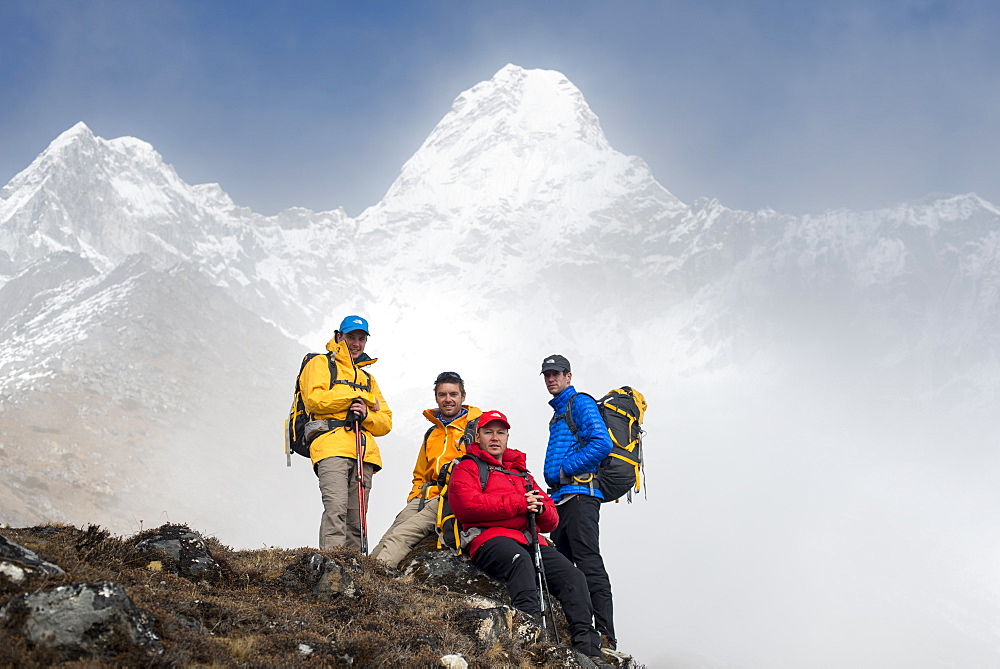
(491, 417)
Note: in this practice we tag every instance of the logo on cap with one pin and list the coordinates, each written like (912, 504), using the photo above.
(353, 322)
(555, 362)
(493, 416)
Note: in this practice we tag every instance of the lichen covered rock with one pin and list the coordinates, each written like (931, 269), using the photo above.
(325, 577)
(441, 568)
(20, 568)
(80, 621)
(186, 550)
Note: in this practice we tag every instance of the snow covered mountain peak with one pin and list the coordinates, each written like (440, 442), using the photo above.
(533, 102)
(78, 147)
(500, 124)
(103, 199)
(522, 147)
(79, 132)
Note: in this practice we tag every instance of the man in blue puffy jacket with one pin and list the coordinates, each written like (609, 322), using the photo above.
(570, 463)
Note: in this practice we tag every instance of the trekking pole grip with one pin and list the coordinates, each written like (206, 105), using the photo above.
(531, 514)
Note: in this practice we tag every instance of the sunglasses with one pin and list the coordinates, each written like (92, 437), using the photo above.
(446, 377)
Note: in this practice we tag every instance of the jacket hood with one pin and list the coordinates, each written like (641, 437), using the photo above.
(512, 458)
(473, 413)
(341, 349)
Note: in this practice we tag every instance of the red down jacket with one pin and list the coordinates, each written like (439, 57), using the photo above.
(501, 510)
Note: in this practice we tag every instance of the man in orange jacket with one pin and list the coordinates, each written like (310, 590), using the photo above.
(442, 443)
(334, 452)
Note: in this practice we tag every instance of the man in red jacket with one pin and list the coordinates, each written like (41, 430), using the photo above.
(497, 517)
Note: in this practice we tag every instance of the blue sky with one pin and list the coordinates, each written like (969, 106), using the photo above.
(798, 106)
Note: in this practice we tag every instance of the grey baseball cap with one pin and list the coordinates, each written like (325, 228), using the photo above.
(556, 363)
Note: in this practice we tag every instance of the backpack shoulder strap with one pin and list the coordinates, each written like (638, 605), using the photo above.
(484, 470)
(305, 361)
(367, 387)
(298, 389)
(444, 476)
(495, 468)
(357, 386)
(469, 435)
(332, 365)
(428, 484)
(570, 423)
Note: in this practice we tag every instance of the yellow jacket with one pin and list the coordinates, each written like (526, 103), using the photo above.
(325, 400)
(439, 448)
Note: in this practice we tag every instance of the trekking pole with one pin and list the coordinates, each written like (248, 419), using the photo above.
(360, 476)
(544, 601)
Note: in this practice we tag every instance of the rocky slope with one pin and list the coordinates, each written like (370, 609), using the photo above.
(168, 597)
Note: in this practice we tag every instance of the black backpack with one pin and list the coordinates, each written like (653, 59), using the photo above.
(468, 436)
(622, 410)
(449, 530)
(300, 427)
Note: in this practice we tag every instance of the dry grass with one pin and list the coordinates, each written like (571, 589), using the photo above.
(257, 613)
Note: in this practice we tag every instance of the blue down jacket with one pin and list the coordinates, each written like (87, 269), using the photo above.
(565, 455)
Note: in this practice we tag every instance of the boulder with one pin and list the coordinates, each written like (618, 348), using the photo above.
(454, 661)
(186, 552)
(20, 568)
(442, 568)
(80, 621)
(325, 577)
(496, 625)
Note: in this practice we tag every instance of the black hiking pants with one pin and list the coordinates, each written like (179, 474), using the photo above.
(578, 537)
(510, 562)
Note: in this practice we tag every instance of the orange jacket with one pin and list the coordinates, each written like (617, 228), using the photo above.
(325, 400)
(440, 446)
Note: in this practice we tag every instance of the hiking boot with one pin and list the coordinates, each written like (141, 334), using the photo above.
(608, 642)
(616, 656)
(600, 663)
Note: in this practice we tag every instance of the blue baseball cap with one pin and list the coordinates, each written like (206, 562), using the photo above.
(352, 323)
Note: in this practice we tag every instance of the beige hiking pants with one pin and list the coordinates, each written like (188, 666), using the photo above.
(338, 485)
(406, 531)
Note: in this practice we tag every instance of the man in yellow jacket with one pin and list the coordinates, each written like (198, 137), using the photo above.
(442, 443)
(334, 452)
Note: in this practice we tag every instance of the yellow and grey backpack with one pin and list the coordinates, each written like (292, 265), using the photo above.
(623, 410)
